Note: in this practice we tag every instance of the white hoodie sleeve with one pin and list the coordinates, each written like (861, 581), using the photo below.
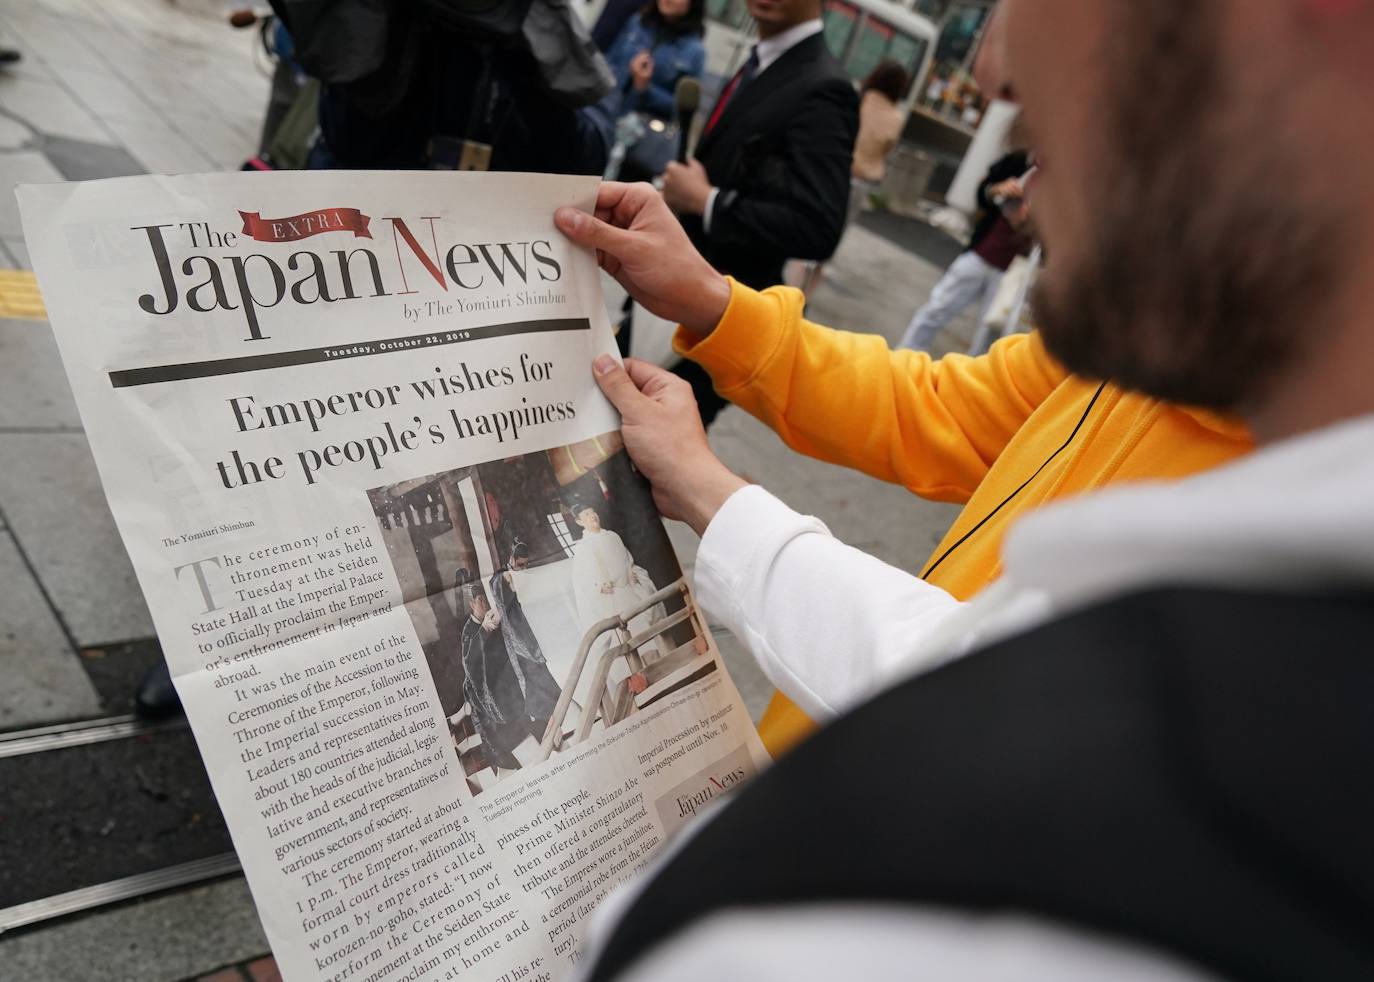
(828, 624)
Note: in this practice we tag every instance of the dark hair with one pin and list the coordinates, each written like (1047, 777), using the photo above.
(470, 593)
(692, 22)
(520, 550)
(890, 79)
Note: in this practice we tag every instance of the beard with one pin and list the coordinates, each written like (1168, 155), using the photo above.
(1204, 261)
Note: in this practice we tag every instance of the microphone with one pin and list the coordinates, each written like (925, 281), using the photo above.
(686, 99)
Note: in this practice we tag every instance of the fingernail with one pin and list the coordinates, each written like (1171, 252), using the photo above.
(603, 364)
(569, 218)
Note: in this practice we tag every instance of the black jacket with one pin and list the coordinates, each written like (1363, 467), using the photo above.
(1186, 769)
(1014, 164)
(780, 155)
(399, 74)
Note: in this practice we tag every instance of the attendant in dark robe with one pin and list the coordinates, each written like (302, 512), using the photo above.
(491, 688)
(540, 689)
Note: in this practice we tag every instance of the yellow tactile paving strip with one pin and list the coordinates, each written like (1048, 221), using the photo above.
(19, 296)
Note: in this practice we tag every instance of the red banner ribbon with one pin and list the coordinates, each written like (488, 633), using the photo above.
(305, 225)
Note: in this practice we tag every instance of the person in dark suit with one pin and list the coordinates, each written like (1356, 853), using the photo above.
(770, 178)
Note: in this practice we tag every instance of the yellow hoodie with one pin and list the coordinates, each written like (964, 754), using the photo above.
(986, 431)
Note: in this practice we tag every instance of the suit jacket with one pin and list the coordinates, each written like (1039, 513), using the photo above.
(780, 155)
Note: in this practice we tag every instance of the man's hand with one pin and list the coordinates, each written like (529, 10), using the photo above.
(1007, 190)
(642, 70)
(665, 439)
(686, 187)
(642, 244)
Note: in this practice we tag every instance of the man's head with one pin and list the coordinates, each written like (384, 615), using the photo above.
(776, 16)
(588, 517)
(519, 556)
(473, 597)
(1204, 190)
(477, 605)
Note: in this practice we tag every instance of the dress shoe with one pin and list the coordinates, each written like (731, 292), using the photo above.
(156, 696)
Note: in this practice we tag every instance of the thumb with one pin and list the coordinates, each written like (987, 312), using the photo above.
(618, 386)
(592, 232)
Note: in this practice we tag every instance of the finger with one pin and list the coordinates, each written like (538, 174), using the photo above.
(610, 264)
(592, 232)
(648, 377)
(635, 204)
(610, 194)
(618, 386)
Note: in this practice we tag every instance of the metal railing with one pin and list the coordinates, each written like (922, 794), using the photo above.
(62, 736)
(20, 742)
(603, 704)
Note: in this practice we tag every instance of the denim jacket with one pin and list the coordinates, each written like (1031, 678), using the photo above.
(674, 58)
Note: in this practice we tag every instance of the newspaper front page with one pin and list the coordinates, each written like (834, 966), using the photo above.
(445, 671)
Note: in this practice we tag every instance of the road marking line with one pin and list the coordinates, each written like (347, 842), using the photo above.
(20, 298)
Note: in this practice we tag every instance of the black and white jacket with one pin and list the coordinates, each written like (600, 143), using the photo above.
(1153, 764)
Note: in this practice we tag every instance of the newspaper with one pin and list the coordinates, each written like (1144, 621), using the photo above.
(445, 671)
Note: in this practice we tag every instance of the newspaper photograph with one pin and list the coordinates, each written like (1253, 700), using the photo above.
(447, 676)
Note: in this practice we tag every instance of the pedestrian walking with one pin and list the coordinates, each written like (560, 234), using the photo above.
(880, 126)
(973, 278)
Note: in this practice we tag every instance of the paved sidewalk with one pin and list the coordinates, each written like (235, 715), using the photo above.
(113, 87)
(106, 88)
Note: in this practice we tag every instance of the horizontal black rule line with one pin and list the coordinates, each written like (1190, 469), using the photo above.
(354, 349)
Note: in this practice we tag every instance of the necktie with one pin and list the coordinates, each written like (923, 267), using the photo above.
(741, 79)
